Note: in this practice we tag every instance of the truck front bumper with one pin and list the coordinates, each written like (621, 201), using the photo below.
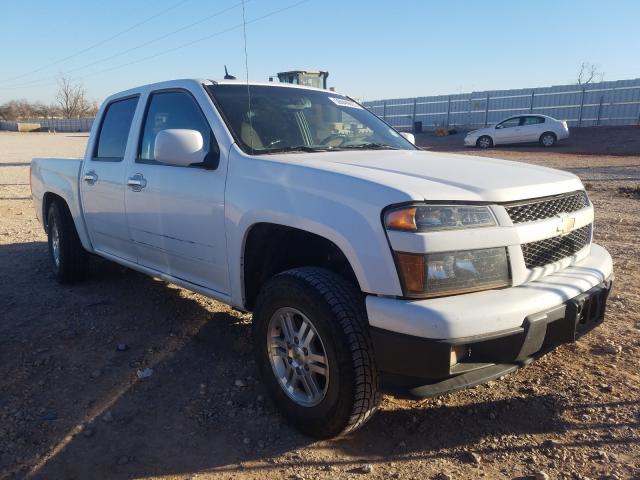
(433, 346)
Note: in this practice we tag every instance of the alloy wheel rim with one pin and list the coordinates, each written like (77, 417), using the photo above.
(547, 140)
(298, 357)
(484, 142)
(55, 244)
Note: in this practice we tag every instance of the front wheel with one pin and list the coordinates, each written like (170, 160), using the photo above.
(484, 142)
(314, 352)
(548, 139)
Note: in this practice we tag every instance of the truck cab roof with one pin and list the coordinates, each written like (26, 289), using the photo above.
(191, 82)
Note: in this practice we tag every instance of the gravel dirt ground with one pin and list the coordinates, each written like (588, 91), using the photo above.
(72, 405)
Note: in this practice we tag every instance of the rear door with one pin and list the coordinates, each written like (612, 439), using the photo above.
(102, 181)
(176, 214)
(532, 127)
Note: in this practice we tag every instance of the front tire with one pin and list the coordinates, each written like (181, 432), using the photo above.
(68, 258)
(314, 352)
(484, 142)
(548, 139)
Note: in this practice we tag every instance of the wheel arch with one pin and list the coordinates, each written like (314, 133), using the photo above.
(47, 199)
(551, 132)
(270, 248)
(490, 137)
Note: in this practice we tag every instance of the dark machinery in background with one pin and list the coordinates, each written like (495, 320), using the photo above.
(309, 78)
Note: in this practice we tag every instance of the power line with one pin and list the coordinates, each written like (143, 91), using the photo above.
(157, 39)
(201, 39)
(188, 44)
(71, 20)
(128, 50)
(101, 42)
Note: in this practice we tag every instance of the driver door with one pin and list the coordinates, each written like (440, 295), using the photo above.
(508, 131)
(176, 213)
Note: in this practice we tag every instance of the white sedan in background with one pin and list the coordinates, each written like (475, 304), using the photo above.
(519, 129)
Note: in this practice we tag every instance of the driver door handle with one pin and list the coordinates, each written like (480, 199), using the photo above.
(90, 177)
(137, 182)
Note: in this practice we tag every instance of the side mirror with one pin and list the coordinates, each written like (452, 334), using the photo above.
(498, 127)
(181, 147)
(409, 136)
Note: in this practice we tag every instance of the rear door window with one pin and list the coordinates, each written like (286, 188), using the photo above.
(532, 120)
(114, 130)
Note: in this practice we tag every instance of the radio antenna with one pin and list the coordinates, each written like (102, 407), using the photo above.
(246, 67)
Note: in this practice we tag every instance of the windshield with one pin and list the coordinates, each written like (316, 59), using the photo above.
(292, 119)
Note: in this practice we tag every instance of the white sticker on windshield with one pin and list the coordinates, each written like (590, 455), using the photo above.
(343, 102)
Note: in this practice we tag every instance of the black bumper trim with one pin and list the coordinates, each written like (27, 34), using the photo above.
(421, 366)
(464, 380)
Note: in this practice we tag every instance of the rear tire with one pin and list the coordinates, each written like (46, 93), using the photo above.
(548, 139)
(484, 142)
(68, 257)
(334, 310)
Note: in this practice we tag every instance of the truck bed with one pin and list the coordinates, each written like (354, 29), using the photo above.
(59, 176)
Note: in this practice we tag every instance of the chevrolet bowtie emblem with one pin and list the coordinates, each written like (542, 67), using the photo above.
(565, 225)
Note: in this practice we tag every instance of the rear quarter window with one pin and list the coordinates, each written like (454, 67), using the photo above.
(114, 130)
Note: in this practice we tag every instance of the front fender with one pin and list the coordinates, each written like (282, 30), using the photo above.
(342, 209)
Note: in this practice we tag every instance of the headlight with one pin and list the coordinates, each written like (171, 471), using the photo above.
(427, 218)
(450, 273)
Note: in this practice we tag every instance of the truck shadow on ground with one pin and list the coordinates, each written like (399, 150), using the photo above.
(75, 407)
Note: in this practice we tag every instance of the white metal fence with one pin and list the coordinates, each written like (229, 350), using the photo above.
(604, 103)
(53, 124)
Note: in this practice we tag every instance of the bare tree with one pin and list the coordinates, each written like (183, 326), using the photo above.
(16, 110)
(7, 111)
(589, 73)
(23, 109)
(72, 98)
(93, 108)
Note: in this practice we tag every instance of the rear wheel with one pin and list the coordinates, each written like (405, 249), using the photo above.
(68, 258)
(548, 139)
(484, 142)
(314, 351)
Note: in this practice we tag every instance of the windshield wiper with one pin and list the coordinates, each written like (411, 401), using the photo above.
(308, 149)
(293, 148)
(370, 146)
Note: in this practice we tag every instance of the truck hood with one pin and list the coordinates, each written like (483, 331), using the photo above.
(442, 176)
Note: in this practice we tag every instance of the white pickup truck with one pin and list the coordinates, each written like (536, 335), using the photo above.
(367, 263)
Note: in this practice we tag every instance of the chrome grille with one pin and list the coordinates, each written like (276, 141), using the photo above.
(543, 252)
(548, 207)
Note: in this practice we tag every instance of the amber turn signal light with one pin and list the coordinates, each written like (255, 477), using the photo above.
(403, 219)
(411, 269)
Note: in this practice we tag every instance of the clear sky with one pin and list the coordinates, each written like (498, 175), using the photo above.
(372, 49)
